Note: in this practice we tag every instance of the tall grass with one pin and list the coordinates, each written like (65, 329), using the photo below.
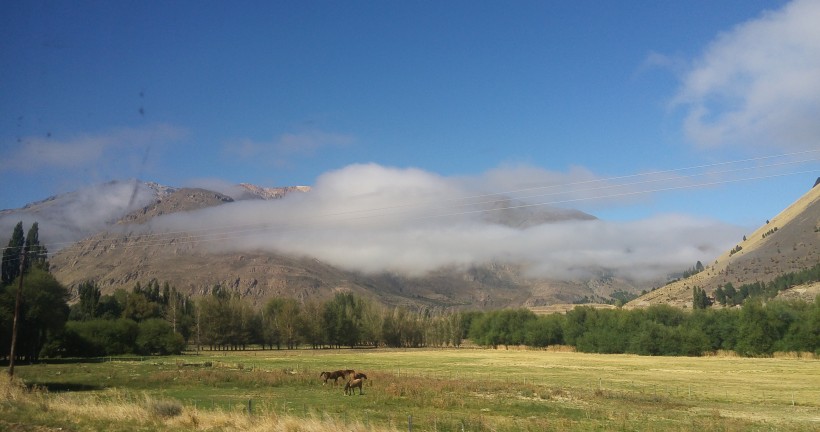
(119, 410)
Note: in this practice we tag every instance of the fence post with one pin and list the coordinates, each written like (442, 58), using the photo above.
(250, 407)
(410, 423)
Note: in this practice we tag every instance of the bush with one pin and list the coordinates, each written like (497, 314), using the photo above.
(100, 337)
(165, 408)
(156, 336)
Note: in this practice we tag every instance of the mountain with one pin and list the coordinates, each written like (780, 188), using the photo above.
(128, 252)
(786, 243)
(249, 191)
(68, 217)
(72, 216)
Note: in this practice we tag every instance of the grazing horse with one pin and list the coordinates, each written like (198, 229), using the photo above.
(352, 385)
(335, 375)
(359, 375)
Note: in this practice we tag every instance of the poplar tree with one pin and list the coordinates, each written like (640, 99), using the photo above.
(36, 254)
(12, 255)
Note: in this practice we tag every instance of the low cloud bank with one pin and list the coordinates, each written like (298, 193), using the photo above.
(372, 219)
(69, 217)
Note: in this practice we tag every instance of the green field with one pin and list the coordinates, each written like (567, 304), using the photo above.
(426, 390)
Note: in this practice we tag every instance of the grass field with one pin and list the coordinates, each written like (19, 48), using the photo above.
(422, 390)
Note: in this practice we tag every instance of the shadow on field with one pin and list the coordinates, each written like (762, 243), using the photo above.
(59, 387)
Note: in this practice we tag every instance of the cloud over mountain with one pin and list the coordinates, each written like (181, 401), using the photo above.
(372, 218)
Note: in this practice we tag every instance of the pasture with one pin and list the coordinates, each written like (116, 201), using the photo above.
(420, 390)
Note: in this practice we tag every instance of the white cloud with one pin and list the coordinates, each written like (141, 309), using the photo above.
(373, 218)
(280, 150)
(80, 213)
(87, 150)
(758, 85)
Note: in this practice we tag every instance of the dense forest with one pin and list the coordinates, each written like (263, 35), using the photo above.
(158, 319)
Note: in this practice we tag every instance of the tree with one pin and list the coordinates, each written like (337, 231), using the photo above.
(699, 298)
(43, 312)
(36, 255)
(720, 296)
(310, 325)
(280, 321)
(731, 294)
(12, 255)
(86, 309)
(156, 336)
(177, 309)
(139, 307)
(109, 306)
(100, 337)
(341, 317)
(544, 330)
(758, 333)
(226, 320)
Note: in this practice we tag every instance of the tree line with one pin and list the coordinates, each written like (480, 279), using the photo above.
(756, 328)
(728, 295)
(159, 319)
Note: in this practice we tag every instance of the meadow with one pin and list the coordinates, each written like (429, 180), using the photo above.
(417, 389)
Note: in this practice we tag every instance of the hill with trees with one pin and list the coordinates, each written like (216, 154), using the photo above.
(788, 243)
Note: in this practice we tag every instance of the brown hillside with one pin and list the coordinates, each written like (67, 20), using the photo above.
(789, 242)
(181, 200)
(131, 254)
(121, 260)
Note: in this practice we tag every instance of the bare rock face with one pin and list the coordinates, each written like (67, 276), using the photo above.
(253, 191)
(177, 201)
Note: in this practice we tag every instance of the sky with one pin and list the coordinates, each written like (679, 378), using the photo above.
(662, 119)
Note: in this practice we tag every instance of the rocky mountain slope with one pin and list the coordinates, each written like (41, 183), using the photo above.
(788, 242)
(129, 253)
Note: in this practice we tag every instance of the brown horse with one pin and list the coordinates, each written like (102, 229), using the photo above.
(335, 375)
(359, 375)
(352, 384)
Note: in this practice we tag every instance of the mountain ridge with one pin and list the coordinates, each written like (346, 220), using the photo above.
(130, 253)
(126, 252)
(788, 242)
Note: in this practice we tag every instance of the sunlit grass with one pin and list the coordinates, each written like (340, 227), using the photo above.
(438, 390)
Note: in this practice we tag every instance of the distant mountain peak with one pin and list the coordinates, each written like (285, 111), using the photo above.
(271, 193)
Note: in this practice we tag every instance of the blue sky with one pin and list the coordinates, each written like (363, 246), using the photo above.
(506, 95)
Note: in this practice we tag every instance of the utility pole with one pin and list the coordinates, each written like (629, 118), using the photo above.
(17, 312)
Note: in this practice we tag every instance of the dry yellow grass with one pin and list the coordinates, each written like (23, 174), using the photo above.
(113, 407)
(502, 390)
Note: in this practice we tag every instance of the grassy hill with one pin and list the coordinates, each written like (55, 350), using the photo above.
(788, 242)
